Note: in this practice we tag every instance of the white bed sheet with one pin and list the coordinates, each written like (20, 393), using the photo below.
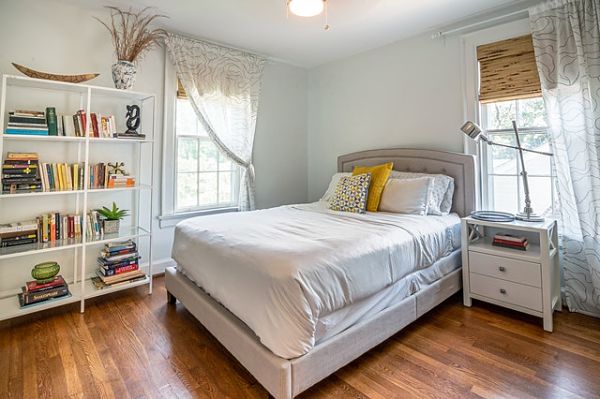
(280, 270)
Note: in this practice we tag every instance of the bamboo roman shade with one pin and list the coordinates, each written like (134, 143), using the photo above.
(507, 70)
(181, 94)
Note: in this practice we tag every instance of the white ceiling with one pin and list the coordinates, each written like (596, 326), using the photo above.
(261, 25)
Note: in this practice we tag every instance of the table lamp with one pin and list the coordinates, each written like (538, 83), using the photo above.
(472, 130)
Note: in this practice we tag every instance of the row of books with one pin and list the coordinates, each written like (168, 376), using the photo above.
(27, 123)
(47, 123)
(510, 241)
(20, 173)
(23, 173)
(118, 264)
(33, 293)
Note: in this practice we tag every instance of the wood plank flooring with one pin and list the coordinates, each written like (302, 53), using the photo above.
(131, 345)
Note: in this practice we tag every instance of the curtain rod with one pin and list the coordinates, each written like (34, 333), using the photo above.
(437, 35)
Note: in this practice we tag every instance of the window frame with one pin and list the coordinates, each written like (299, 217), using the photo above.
(487, 173)
(169, 215)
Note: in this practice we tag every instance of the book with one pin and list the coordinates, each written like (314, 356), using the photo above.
(23, 112)
(68, 126)
(26, 298)
(18, 227)
(35, 286)
(99, 284)
(517, 247)
(23, 156)
(120, 277)
(51, 121)
(509, 237)
(27, 132)
(118, 270)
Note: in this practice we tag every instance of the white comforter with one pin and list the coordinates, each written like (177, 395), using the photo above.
(280, 269)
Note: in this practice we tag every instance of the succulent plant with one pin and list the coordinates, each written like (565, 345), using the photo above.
(113, 214)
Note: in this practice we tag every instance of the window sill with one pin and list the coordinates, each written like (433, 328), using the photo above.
(166, 221)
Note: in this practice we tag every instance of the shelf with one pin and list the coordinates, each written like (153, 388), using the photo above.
(38, 248)
(104, 190)
(9, 306)
(90, 291)
(67, 192)
(125, 233)
(532, 254)
(63, 139)
(515, 224)
(25, 137)
(25, 81)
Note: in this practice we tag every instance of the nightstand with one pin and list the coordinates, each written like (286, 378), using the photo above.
(527, 281)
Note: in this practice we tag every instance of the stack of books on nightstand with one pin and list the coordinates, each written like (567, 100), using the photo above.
(510, 241)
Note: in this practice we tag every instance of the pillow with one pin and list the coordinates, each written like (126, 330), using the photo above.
(439, 193)
(332, 185)
(351, 194)
(407, 196)
(379, 176)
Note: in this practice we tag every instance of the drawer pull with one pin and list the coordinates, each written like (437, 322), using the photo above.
(502, 268)
(502, 291)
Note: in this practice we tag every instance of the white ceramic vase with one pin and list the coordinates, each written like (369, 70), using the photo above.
(123, 73)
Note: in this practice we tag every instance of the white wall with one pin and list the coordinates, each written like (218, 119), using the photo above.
(56, 37)
(407, 94)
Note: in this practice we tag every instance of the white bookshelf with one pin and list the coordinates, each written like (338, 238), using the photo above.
(70, 97)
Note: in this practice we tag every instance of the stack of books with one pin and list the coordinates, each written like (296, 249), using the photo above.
(20, 233)
(118, 265)
(35, 293)
(510, 241)
(27, 123)
(20, 173)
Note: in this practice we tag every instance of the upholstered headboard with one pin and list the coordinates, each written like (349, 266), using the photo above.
(459, 166)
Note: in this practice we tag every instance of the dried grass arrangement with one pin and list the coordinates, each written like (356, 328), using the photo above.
(131, 33)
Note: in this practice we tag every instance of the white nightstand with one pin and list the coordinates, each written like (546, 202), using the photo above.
(527, 281)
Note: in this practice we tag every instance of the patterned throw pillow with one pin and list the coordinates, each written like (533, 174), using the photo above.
(351, 194)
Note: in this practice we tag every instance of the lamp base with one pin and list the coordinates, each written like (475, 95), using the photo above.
(533, 217)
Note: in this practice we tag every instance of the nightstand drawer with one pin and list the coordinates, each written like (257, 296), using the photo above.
(506, 291)
(517, 271)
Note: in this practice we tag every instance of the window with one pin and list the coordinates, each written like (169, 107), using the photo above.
(502, 183)
(204, 177)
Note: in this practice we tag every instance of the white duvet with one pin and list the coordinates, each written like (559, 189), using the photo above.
(280, 269)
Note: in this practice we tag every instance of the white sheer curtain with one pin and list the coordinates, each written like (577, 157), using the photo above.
(566, 38)
(223, 86)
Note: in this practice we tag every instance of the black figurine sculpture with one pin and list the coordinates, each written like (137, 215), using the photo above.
(133, 119)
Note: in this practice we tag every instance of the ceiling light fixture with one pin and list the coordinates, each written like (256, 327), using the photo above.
(308, 8)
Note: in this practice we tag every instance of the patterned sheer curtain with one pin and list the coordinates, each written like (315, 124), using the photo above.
(566, 38)
(223, 86)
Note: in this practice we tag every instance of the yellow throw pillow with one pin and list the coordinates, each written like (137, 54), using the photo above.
(379, 176)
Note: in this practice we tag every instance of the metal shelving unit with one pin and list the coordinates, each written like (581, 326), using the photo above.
(80, 284)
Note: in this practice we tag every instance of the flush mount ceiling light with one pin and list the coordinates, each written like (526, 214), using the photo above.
(308, 8)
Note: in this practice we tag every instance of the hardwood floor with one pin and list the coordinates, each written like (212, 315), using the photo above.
(131, 345)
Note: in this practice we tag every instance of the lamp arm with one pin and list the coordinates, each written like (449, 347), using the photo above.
(517, 148)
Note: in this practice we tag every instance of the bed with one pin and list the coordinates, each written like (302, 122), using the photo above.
(296, 292)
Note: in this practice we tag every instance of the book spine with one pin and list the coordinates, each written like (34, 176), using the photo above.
(119, 270)
(34, 298)
(51, 121)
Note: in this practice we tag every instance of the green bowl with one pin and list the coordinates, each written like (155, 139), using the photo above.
(45, 272)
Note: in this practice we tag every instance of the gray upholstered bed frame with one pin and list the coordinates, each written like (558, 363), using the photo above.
(285, 378)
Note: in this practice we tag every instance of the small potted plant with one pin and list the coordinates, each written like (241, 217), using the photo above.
(132, 37)
(112, 218)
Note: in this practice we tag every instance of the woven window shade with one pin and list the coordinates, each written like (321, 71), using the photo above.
(181, 94)
(508, 70)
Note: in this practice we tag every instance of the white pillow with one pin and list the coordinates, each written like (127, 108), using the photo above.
(441, 194)
(410, 196)
(335, 179)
